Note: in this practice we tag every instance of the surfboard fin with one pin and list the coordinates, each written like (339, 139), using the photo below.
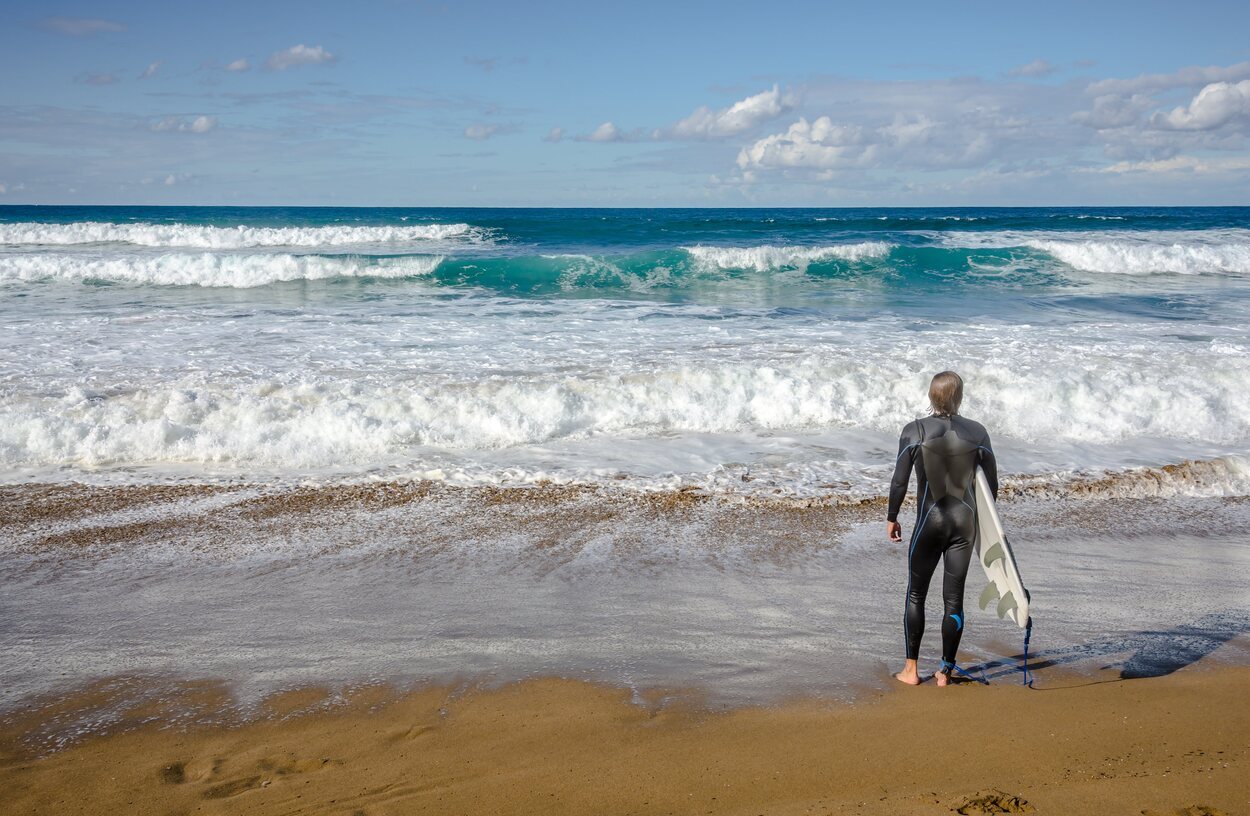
(990, 593)
(1006, 604)
(993, 554)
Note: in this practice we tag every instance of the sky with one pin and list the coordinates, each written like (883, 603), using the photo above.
(394, 103)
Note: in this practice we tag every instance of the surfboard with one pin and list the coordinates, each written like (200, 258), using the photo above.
(1005, 593)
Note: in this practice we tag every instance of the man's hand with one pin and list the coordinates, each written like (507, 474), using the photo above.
(894, 530)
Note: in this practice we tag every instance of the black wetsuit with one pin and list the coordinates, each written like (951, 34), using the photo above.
(945, 452)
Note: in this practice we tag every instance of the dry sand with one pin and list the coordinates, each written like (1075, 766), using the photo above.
(1078, 745)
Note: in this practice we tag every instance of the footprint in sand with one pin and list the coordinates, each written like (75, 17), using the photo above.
(993, 801)
(291, 764)
(174, 774)
(231, 788)
(270, 767)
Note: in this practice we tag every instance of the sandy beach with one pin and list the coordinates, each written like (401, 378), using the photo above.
(1171, 746)
(416, 648)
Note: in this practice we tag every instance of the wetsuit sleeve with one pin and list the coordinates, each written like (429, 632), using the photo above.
(990, 465)
(908, 445)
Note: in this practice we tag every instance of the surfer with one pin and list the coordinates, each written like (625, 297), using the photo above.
(945, 450)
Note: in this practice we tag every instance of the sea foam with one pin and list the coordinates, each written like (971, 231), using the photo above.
(350, 420)
(772, 258)
(1177, 252)
(238, 237)
(209, 269)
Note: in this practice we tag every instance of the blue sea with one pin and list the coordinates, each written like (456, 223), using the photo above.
(698, 409)
(724, 349)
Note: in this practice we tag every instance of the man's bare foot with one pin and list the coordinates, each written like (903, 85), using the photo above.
(909, 675)
(943, 678)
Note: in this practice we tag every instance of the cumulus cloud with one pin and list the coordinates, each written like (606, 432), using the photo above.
(238, 65)
(480, 132)
(151, 70)
(741, 116)
(1216, 105)
(609, 132)
(298, 55)
(79, 26)
(179, 124)
(1191, 77)
(820, 144)
(909, 140)
(554, 135)
(1036, 68)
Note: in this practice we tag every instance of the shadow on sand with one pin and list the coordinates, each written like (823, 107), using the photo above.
(1148, 654)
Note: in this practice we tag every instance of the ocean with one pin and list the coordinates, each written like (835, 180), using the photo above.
(290, 447)
(776, 350)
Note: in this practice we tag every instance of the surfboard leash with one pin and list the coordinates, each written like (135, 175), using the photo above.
(983, 680)
(1026, 677)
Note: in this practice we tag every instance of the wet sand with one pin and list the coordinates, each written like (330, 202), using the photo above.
(1074, 745)
(417, 648)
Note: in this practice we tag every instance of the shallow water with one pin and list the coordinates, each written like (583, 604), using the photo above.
(745, 604)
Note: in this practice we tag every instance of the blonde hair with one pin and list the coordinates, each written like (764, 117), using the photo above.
(946, 392)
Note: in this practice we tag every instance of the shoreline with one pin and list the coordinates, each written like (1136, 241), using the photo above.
(1073, 745)
(404, 584)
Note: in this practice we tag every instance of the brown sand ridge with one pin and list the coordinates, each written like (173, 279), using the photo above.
(1174, 745)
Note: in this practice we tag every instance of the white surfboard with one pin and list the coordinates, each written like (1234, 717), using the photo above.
(1005, 591)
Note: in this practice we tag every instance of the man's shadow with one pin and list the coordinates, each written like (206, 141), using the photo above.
(1150, 654)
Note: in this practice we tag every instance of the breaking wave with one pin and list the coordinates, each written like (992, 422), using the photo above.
(209, 269)
(238, 237)
(329, 421)
(773, 258)
(1212, 252)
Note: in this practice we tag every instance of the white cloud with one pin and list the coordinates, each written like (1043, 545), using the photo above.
(487, 64)
(200, 124)
(818, 144)
(609, 132)
(1192, 77)
(1036, 68)
(480, 131)
(741, 116)
(79, 26)
(913, 140)
(1182, 164)
(3, 188)
(1215, 106)
(554, 135)
(298, 55)
(240, 64)
(151, 70)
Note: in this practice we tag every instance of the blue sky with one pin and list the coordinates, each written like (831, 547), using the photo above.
(699, 104)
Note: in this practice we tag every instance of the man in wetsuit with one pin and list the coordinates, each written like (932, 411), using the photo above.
(945, 449)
